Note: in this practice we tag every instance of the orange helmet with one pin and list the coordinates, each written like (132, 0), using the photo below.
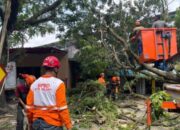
(113, 78)
(28, 78)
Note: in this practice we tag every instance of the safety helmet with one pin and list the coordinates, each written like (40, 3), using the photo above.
(138, 23)
(113, 78)
(28, 78)
(51, 61)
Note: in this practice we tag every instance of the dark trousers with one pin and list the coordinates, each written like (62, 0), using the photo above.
(40, 124)
(139, 47)
(20, 118)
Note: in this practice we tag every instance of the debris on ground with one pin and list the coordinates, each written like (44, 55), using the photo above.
(92, 110)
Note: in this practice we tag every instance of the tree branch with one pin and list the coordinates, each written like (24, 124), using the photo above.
(166, 75)
(43, 11)
(32, 21)
(38, 21)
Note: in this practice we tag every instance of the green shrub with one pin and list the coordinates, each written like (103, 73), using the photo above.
(157, 99)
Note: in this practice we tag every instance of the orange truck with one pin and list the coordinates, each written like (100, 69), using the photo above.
(157, 44)
(160, 44)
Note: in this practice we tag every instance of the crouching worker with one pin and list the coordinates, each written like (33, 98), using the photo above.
(21, 93)
(46, 101)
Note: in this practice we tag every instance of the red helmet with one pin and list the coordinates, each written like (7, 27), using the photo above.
(51, 61)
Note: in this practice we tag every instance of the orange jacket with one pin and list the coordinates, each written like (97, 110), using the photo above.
(47, 100)
(102, 81)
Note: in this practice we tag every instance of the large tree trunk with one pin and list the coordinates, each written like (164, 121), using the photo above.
(2, 47)
(4, 27)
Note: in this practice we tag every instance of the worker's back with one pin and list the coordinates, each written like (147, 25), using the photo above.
(44, 90)
(159, 24)
(43, 97)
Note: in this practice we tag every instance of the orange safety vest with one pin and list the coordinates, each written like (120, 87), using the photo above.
(102, 81)
(47, 100)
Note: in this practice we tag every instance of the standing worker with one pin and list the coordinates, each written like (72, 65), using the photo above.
(101, 79)
(159, 23)
(135, 36)
(46, 101)
(113, 87)
(21, 93)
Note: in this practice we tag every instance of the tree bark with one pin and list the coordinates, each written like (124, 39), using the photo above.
(2, 42)
(4, 27)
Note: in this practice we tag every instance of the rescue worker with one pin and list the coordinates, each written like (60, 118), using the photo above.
(118, 82)
(21, 93)
(159, 23)
(46, 101)
(113, 87)
(136, 37)
(101, 79)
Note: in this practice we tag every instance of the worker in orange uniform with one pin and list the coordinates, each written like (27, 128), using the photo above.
(46, 101)
(101, 79)
(22, 90)
(113, 87)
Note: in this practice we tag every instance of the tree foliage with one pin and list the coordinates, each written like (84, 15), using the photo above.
(95, 19)
(177, 23)
(157, 99)
(93, 60)
(87, 21)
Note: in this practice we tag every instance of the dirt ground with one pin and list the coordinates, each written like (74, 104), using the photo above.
(8, 119)
(137, 117)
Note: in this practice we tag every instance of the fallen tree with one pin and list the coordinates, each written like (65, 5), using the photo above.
(168, 76)
(88, 105)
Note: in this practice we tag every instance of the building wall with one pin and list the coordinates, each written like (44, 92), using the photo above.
(35, 60)
(64, 72)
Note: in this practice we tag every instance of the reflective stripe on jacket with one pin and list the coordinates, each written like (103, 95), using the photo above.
(47, 100)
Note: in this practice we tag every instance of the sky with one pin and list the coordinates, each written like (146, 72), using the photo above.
(49, 38)
(38, 40)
